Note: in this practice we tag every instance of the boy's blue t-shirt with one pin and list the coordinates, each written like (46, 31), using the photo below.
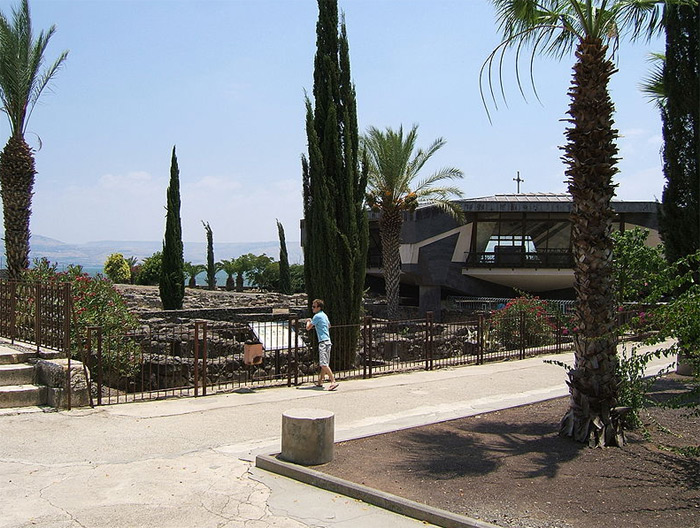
(322, 325)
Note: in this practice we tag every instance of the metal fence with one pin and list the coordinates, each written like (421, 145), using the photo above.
(207, 357)
(204, 357)
(489, 304)
(36, 313)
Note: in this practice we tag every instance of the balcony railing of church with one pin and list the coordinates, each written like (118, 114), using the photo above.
(547, 258)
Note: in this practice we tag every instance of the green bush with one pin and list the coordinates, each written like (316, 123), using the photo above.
(117, 269)
(297, 273)
(636, 266)
(149, 272)
(269, 278)
(259, 275)
(634, 385)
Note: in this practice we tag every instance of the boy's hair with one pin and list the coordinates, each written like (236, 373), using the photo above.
(318, 302)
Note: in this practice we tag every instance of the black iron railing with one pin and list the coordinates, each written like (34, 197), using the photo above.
(517, 257)
(36, 313)
(207, 357)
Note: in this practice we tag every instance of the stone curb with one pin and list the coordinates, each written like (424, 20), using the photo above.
(381, 499)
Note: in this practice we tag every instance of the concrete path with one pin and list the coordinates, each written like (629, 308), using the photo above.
(188, 462)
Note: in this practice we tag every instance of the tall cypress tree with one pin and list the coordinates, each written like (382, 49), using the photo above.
(211, 266)
(285, 275)
(335, 246)
(680, 215)
(172, 274)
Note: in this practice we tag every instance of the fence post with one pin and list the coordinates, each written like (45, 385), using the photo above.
(365, 349)
(68, 383)
(86, 358)
(290, 325)
(196, 358)
(13, 311)
(296, 353)
(521, 322)
(67, 300)
(204, 358)
(370, 333)
(558, 343)
(37, 321)
(480, 340)
(99, 362)
(429, 341)
(277, 363)
(363, 333)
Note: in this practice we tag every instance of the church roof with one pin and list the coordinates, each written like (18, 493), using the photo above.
(544, 202)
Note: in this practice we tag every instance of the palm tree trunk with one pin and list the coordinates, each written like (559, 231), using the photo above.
(390, 231)
(591, 157)
(16, 183)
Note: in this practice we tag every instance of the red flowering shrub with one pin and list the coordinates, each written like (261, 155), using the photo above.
(524, 318)
(95, 302)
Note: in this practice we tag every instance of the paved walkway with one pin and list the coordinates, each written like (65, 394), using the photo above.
(188, 462)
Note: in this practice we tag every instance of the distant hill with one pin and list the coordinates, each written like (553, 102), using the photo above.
(94, 254)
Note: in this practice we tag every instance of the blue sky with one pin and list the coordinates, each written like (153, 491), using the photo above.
(224, 81)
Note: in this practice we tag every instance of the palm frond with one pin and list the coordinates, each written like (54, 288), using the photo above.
(422, 156)
(448, 206)
(21, 59)
(641, 18)
(447, 173)
(393, 168)
(554, 28)
(653, 85)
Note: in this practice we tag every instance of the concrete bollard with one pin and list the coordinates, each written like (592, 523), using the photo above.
(307, 436)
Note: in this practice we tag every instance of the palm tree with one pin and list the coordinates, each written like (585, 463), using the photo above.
(191, 271)
(392, 189)
(230, 267)
(21, 84)
(593, 29)
(132, 262)
(243, 265)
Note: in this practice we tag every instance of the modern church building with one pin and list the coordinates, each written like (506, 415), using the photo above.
(508, 242)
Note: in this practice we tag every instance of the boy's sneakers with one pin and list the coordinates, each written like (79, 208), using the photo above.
(333, 387)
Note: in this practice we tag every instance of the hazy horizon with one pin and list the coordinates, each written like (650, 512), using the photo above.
(199, 75)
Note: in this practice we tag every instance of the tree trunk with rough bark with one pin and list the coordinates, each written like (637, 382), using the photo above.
(16, 183)
(390, 232)
(590, 154)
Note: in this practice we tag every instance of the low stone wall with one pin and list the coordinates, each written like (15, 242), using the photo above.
(233, 315)
(54, 374)
(161, 372)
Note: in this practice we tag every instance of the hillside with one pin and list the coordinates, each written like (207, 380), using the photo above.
(94, 254)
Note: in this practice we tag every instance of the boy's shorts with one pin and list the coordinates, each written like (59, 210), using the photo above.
(324, 353)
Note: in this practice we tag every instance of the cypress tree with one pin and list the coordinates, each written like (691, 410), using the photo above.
(172, 274)
(211, 266)
(335, 245)
(679, 221)
(285, 275)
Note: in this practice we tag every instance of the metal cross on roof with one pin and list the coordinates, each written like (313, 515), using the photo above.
(518, 180)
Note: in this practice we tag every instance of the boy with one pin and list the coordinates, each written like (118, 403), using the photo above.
(322, 324)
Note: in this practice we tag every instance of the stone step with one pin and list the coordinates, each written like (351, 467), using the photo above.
(11, 356)
(50, 354)
(20, 374)
(22, 396)
(31, 409)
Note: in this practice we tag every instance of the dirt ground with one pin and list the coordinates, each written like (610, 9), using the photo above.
(511, 468)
